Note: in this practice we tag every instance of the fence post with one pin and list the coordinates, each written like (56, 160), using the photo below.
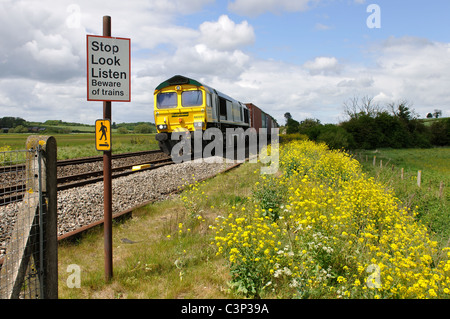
(50, 191)
(419, 177)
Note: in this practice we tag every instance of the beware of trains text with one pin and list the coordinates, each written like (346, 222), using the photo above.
(108, 69)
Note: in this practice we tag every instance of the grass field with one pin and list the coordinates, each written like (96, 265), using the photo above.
(433, 207)
(83, 144)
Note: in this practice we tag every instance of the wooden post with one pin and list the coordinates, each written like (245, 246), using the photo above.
(374, 160)
(419, 177)
(401, 173)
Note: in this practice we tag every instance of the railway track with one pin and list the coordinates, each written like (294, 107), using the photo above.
(83, 176)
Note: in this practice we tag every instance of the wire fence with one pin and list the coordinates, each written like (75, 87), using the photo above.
(25, 235)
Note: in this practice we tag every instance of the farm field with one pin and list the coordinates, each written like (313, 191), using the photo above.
(319, 228)
(432, 198)
(83, 144)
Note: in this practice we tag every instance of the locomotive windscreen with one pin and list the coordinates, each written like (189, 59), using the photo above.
(167, 100)
(191, 98)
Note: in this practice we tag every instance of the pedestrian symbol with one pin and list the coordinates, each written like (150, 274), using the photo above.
(103, 135)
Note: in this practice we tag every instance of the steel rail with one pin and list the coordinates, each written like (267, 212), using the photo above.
(92, 159)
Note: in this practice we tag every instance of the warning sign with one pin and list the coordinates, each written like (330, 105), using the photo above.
(103, 135)
(108, 69)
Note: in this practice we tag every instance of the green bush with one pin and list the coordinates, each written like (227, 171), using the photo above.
(286, 138)
(335, 137)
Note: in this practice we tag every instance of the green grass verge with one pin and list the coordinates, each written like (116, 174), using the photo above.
(172, 256)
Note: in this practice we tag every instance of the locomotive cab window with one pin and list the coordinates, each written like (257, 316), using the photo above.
(192, 98)
(222, 107)
(166, 100)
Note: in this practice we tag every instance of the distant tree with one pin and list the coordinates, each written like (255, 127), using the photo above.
(355, 107)
(397, 126)
(429, 116)
(404, 113)
(10, 122)
(440, 132)
(122, 130)
(366, 134)
(287, 116)
(437, 113)
(310, 127)
(308, 123)
(402, 109)
(292, 126)
(19, 129)
(336, 137)
(143, 129)
(53, 122)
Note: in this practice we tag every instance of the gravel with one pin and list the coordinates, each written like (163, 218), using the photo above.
(98, 166)
(81, 206)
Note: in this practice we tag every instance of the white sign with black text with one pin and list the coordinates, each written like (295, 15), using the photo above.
(108, 69)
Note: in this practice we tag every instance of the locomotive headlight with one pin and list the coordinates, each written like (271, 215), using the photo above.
(162, 126)
(198, 124)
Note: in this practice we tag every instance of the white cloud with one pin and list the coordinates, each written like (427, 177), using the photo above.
(225, 34)
(36, 43)
(202, 61)
(323, 65)
(414, 69)
(322, 27)
(257, 7)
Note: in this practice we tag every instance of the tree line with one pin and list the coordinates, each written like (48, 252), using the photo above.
(369, 126)
(19, 125)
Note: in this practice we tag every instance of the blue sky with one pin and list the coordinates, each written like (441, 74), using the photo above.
(306, 57)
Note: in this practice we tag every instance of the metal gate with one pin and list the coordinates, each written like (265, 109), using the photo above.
(28, 221)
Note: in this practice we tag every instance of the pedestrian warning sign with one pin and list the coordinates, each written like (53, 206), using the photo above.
(103, 135)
